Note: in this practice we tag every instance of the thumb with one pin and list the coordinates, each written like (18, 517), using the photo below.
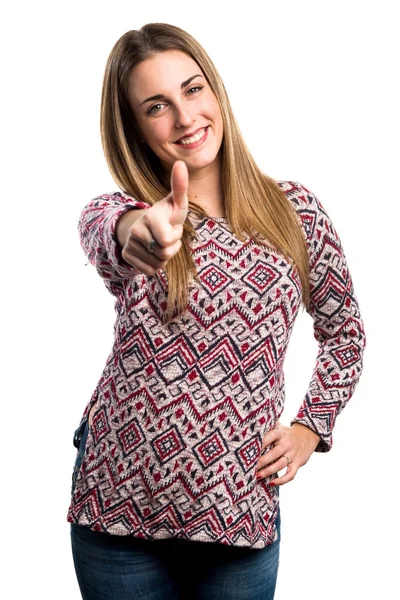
(179, 190)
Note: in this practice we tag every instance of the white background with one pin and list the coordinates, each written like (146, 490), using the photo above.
(314, 88)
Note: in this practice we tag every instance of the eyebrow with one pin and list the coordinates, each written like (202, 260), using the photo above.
(162, 97)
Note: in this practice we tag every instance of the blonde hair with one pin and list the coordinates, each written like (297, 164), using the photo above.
(254, 203)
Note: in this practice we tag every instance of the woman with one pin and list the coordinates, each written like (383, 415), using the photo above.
(175, 488)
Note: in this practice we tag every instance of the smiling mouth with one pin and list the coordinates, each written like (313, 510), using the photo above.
(185, 141)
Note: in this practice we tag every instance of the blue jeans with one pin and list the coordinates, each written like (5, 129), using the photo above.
(113, 567)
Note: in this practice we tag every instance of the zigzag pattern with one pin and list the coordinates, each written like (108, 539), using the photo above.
(181, 408)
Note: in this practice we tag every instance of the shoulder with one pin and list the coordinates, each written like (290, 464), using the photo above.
(318, 226)
(298, 194)
(306, 204)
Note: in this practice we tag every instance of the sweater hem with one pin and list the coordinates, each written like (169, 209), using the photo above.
(163, 533)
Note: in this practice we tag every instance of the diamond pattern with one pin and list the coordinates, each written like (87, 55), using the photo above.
(167, 445)
(210, 450)
(181, 408)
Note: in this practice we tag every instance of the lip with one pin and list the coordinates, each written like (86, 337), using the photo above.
(195, 144)
(191, 133)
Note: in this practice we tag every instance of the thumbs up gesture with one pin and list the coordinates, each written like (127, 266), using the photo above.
(151, 237)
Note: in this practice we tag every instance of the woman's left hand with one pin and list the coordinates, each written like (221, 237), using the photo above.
(291, 448)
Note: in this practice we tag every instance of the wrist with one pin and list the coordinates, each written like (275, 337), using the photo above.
(311, 438)
(124, 224)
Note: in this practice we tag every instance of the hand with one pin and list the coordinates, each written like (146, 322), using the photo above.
(297, 442)
(163, 223)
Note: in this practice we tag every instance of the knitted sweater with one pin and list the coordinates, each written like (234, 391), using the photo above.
(182, 407)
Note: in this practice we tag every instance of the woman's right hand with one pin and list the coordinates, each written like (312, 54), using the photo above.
(163, 222)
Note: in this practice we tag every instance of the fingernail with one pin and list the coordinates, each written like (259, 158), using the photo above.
(271, 484)
(258, 476)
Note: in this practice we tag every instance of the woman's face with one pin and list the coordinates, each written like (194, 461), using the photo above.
(171, 99)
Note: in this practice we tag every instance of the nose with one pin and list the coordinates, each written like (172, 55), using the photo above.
(183, 117)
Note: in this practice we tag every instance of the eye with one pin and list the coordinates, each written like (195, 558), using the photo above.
(152, 109)
(196, 87)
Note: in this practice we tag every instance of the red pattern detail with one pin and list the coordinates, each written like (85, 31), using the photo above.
(181, 408)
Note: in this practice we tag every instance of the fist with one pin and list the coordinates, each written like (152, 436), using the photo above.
(155, 237)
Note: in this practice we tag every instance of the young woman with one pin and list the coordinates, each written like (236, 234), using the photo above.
(175, 487)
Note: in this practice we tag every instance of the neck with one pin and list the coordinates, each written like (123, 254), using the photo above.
(205, 189)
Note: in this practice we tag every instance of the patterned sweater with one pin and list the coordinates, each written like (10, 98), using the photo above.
(181, 408)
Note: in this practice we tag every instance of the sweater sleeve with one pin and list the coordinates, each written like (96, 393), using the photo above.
(98, 239)
(337, 323)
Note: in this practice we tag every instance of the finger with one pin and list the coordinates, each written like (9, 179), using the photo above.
(167, 252)
(144, 267)
(158, 257)
(281, 449)
(137, 256)
(164, 236)
(269, 469)
(179, 191)
(271, 437)
(290, 474)
(149, 229)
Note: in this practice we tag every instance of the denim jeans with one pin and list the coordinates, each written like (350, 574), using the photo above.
(113, 567)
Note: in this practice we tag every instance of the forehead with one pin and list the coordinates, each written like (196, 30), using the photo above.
(161, 73)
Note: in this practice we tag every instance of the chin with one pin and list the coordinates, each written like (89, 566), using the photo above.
(200, 162)
(193, 162)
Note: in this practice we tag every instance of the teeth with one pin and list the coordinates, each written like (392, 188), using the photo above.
(194, 138)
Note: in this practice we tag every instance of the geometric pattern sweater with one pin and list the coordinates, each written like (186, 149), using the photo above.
(182, 407)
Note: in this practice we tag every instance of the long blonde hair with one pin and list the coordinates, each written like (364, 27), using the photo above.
(254, 203)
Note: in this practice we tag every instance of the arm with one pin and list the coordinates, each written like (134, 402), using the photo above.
(124, 224)
(98, 234)
(338, 327)
(110, 231)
